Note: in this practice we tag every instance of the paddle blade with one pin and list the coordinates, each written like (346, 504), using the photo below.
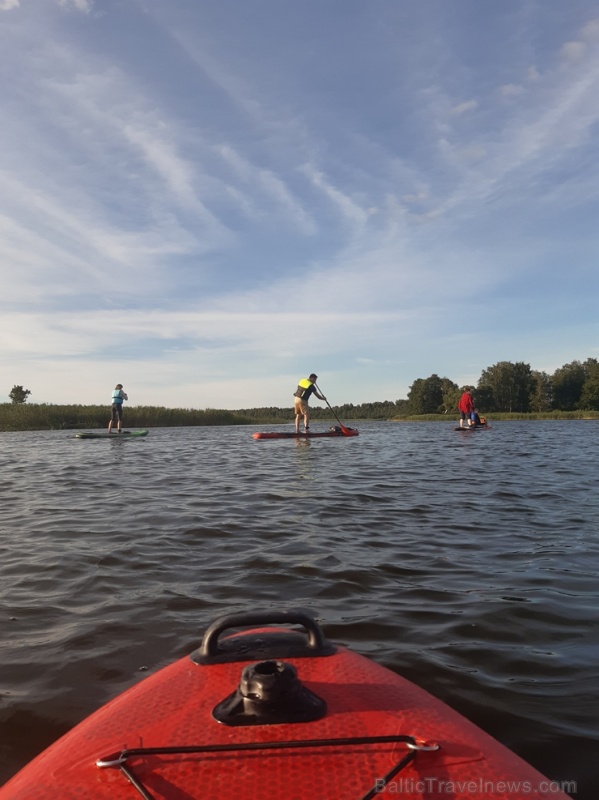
(345, 431)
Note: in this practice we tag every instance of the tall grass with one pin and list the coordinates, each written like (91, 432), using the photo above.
(502, 415)
(32, 417)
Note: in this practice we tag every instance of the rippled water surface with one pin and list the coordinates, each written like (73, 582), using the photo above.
(465, 561)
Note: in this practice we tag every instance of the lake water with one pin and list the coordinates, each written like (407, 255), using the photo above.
(465, 561)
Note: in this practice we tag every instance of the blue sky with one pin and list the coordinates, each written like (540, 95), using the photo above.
(206, 201)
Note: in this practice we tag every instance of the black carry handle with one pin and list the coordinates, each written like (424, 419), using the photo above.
(253, 645)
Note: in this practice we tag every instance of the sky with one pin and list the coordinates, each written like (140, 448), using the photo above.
(207, 201)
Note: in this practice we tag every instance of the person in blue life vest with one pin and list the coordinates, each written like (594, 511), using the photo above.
(118, 395)
(305, 388)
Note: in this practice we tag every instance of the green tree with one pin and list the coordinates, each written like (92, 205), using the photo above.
(417, 401)
(451, 395)
(427, 395)
(401, 406)
(567, 386)
(541, 398)
(483, 399)
(589, 397)
(19, 395)
(509, 385)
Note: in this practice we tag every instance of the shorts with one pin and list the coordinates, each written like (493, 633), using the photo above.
(117, 412)
(300, 406)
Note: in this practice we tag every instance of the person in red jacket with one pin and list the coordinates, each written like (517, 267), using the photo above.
(466, 407)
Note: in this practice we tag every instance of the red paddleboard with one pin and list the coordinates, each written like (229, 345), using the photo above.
(275, 712)
(336, 433)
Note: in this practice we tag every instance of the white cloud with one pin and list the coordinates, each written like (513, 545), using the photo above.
(462, 108)
(351, 211)
(242, 212)
(511, 90)
(58, 248)
(590, 32)
(268, 184)
(573, 51)
(80, 5)
(175, 173)
(474, 153)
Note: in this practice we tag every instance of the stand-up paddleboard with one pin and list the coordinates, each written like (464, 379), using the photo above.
(334, 433)
(481, 424)
(484, 427)
(113, 435)
(276, 712)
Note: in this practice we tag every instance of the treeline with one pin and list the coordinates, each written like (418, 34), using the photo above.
(32, 417)
(513, 388)
(29, 416)
(378, 410)
(505, 388)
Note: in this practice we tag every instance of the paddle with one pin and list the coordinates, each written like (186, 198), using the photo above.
(344, 429)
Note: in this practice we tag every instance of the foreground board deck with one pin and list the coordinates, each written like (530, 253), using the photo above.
(276, 713)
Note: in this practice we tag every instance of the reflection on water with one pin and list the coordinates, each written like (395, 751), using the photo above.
(304, 472)
(467, 563)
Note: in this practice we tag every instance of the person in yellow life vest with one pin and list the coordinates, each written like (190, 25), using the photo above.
(305, 388)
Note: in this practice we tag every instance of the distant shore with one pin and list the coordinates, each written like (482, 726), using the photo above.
(45, 416)
(506, 416)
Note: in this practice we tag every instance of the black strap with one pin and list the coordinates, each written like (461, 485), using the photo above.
(119, 760)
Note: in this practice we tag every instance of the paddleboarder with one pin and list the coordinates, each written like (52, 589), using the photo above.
(118, 395)
(305, 388)
(466, 407)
